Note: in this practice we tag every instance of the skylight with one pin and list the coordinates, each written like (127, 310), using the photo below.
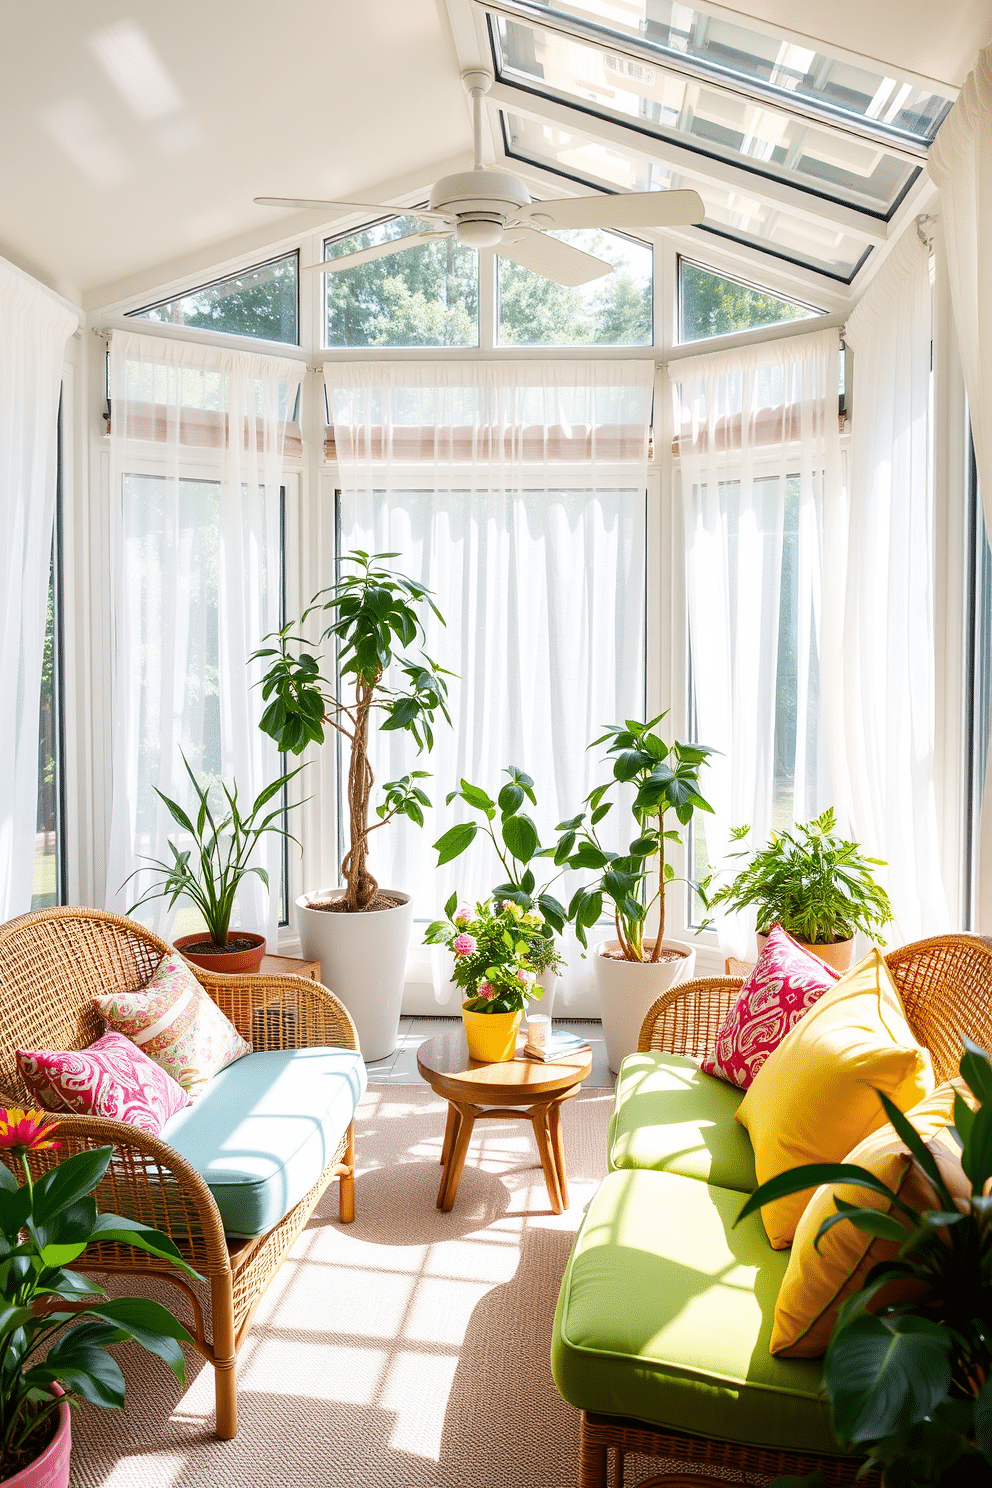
(743, 216)
(711, 120)
(740, 55)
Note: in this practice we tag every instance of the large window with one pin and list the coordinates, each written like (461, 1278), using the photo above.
(613, 311)
(49, 884)
(713, 305)
(427, 295)
(262, 302)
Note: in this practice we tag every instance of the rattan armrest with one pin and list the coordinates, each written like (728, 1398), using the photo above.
(685, 1019)
(281, 1012)
(146, 1180)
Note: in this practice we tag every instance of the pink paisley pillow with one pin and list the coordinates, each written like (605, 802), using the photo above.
(111, 1078)
(177, 1024)
(785, 984)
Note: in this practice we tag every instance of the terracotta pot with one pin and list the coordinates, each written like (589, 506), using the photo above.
(51, 1469)
(492, 1037)
(839, 954)
(628, 988)
(230, 963)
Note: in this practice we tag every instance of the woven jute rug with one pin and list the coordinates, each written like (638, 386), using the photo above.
(408, 1349)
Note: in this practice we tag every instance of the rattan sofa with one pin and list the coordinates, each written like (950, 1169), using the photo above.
(51, 963)
(946, 987)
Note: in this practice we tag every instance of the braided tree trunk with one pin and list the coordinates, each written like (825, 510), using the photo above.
(361, 886)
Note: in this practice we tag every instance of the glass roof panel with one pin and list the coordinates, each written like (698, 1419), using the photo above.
(260, 301)
(710, 120)
(742, 216)
(731, 50)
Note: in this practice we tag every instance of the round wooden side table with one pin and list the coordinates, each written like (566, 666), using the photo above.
(520, 1088)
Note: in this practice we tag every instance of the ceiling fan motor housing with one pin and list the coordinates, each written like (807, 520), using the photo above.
(483, 202)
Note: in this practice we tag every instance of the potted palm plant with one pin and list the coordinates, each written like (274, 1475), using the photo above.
(47, 1222)
(815, 884)
(210, 872)
(910, 1384)
(632, 970)
(515, 841)
(359, 932)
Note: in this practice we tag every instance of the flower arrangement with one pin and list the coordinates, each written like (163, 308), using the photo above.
(46, 1223)
(494, 946)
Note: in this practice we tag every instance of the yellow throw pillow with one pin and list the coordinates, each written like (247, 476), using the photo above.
(814, 1099)
(818, 1281)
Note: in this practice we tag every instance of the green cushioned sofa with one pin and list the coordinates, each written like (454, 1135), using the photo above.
(666, 1307)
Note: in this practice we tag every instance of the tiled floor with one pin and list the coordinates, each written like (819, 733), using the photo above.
(401, 1067)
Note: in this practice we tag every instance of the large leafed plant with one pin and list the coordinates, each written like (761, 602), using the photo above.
(375, 627)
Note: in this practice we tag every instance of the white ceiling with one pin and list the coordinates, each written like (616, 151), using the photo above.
(237, 98)
(101, 180)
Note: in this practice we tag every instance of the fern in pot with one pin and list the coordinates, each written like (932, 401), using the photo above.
(373, 632)
(632, 970)
(817, 885)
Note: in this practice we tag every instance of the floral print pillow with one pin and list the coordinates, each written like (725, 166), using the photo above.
(111, 1078)
(176, 1024)
(785, 984)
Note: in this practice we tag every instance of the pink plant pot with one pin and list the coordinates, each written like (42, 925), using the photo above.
(51, 1469)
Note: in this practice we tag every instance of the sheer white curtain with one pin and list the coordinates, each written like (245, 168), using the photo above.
(759, 457)
(960, 162)
(516, 491)
(881, 700)
(197, 437)
(34, 329)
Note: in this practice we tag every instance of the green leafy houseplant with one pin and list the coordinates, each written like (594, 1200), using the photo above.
(515, 840)
(375, 620)
(911, 1384)
(210, 873)
(492, 946)
(815, 884)
(45, 1224)
(664, 778)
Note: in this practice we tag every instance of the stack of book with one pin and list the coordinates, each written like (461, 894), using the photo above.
(558, 1047)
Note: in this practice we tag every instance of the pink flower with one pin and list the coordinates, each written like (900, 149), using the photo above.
(463, 915)
(463, 945)
(486, 990)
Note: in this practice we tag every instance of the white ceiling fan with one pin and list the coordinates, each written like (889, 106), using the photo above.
(487, 207)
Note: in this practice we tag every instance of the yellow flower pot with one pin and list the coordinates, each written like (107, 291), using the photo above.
(492, 1037)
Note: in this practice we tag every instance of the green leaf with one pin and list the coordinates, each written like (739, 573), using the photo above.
(455, 841)
(149, 1324)
(520, 836)
(983, 1421)
(976, 1157)
(812, 1175)
(72, 1180)
(976, 1070)
(511, 798)
(122, 1231)
(477, 797)
(883, 1376)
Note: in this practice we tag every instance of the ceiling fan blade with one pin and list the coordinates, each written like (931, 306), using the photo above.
(380, 250)
(313, 205)
(624, 209)
(557, 261)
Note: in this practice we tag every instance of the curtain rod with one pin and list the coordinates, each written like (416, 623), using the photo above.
(755, 338)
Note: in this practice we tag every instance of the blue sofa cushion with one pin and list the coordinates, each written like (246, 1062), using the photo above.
(265, 1128)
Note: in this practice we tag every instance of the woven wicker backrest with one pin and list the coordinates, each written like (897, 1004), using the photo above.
(52, 962)
(946, 987)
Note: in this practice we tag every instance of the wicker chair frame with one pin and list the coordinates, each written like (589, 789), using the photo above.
(52, 962)
(946, 987)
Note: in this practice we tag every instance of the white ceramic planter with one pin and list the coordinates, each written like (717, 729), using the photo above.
(628, 988)
(549, 985)
(363, 961)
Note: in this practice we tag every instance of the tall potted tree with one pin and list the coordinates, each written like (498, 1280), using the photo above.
(360, 932)
(632, 970)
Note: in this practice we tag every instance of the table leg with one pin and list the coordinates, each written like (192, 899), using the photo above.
(456, 1161)
(558, 1149)
(449, 1133)
(542, 1135)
